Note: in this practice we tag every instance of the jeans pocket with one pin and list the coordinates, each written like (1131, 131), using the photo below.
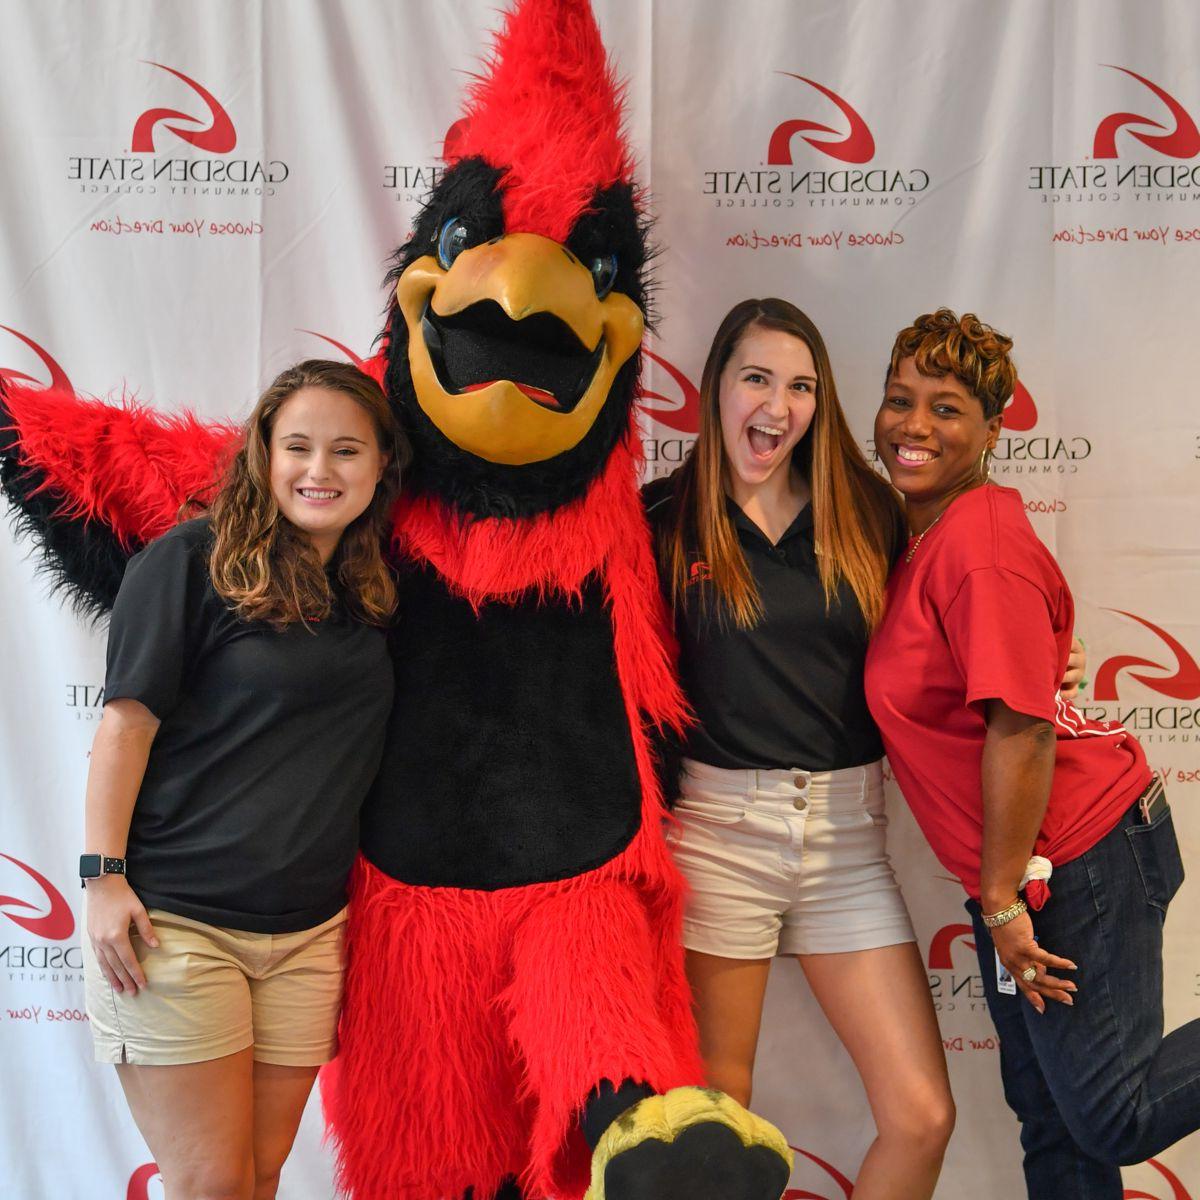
(1159, 863)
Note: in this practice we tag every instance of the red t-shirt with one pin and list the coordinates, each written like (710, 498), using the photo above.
(982, 612)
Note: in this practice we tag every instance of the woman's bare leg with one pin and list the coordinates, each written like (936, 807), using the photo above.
(218, 1130)
(878, 1004)
(280, 1094)
(197, 1120)
(728, 995)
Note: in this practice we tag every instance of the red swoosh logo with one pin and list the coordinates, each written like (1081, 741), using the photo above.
(847, 1185)
(1184, 684)
(139, 1182)
(455, 136)
(58, 377)
(354, 358)
(219, 137)
(1178, 1191)
(57, 924)
(941, 948)
(1181, 142)
(858, 146)
(683, 417)
(1020, 413)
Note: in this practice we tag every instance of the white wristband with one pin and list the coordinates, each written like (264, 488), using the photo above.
(1036, 868)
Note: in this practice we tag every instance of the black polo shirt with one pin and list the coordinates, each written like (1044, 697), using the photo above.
(247, 816)
(789, 692)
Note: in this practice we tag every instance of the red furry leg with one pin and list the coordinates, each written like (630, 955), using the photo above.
(587, 1003)
(421, 1101)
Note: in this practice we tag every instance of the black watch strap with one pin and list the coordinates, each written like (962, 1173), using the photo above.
(92, 866)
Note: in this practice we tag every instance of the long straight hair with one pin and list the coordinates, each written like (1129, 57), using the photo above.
(260, 562)
(856, 518)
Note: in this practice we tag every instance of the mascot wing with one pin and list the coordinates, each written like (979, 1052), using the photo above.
(93, 482)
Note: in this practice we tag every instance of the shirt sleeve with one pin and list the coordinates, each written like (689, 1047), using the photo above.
(150, 638)
(1000, 629)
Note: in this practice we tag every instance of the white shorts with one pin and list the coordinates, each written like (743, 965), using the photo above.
(786, 862)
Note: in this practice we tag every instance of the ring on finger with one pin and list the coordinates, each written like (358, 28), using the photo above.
(1029, 974)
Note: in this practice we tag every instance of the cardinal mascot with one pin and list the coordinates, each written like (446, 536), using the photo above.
(516, 1021)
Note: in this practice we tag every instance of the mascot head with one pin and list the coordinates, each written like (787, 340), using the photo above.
(514, 333)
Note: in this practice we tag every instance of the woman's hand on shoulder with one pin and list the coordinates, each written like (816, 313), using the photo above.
(112, 909)
(1018, 950)
(1076, 665)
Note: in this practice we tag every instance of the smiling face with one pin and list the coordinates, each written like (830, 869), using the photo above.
(325, 462)
(931, 433)
(768, 396)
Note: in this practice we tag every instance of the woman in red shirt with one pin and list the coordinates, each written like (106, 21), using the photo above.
(1010, 782)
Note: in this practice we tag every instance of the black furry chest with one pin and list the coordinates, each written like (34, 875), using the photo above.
(509, 758)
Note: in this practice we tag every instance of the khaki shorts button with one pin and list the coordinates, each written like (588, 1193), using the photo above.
(801, 804)
(801, 781)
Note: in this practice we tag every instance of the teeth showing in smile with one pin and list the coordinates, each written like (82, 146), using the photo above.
(907, 454)
(319, 493)
(764, 439)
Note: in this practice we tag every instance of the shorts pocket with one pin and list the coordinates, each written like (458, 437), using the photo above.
(711, 812)
(1156, 852)
(854, 820)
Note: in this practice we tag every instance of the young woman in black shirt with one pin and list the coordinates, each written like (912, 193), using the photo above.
(246, 694)
(775, 539)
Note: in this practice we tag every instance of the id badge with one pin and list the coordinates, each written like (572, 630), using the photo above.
(1006, 985)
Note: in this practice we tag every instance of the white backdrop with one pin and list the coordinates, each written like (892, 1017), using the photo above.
(867, 159)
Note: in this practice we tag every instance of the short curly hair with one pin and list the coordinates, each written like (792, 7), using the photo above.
(942, 343)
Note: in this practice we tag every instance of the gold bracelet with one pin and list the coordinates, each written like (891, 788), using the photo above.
(1011, 913)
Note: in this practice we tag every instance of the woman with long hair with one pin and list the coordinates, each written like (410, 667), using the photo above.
(775, 539)
(247, 688)
(1055, 824)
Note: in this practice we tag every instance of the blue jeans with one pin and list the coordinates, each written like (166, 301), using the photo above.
(1097, 1084)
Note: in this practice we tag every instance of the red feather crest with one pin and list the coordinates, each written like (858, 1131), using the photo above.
(549, 109)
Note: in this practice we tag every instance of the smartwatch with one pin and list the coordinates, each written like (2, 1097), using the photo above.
(92, 866)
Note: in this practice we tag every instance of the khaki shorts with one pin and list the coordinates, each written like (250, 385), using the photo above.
(213, 991)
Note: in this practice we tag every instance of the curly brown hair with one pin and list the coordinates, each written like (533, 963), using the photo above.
(942, 343)
(260, 562)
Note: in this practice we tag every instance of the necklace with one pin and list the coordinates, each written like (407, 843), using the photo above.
(921, 536)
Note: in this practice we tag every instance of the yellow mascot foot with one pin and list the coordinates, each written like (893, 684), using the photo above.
(691, 1144)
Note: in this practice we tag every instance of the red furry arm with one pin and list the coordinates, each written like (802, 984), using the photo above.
(91, 483)
(127, 467)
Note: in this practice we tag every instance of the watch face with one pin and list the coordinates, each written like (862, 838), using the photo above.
(90, 866)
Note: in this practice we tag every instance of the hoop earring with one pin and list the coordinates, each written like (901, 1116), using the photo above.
(985, 465)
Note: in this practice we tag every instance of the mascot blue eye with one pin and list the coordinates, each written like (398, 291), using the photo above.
(604, 273)
(452, 241)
